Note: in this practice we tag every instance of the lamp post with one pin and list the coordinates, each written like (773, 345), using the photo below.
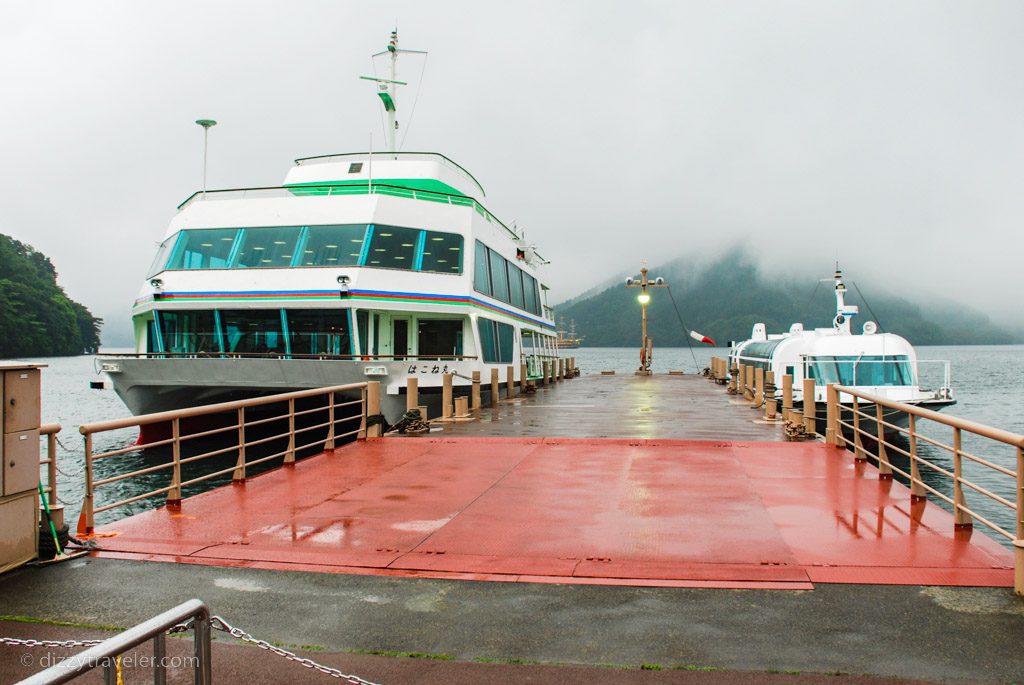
(206, 124)
(646, 345)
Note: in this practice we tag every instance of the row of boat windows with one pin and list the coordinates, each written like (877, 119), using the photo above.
(495, 276)
(371, 245)
(861, 370)
(326, 332)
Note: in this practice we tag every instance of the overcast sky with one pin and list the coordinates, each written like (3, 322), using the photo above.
(888, 134)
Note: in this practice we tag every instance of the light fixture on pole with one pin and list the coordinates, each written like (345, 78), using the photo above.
(647, 345)
(206, 124)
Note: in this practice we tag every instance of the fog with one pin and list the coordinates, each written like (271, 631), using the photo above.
(889, 136)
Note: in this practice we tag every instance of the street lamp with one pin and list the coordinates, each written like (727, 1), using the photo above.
(647, 345)
(206, 124)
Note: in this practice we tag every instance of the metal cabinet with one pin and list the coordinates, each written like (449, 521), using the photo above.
(19, 464)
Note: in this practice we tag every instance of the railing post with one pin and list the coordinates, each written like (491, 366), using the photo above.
(561, 368)
(494, 388)
(373, 407)
(329, 442)
(361, 435)
(289, 456)
(831, 413)
(51, 467)
(1018, 544)
(174, 494)
(412, 393)
(787, 396)
(446, 396)
(476, 391)
(961, 519)
(85, 519)
(858, 441)
(510, 382)
(917, 491)
(734, 379)
(758, 388)
(884, 467)
(551, 372)
(810, 407)
(239, 473)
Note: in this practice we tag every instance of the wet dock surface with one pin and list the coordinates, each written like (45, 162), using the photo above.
(662, 543)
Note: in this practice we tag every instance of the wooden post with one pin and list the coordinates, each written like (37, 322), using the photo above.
(771, 405)
(831, 411)
(543, 380)
(758, 388)
(239, 472)
(917, 491)
(787, 396)
(412, 393)
(462, 407)
(884, 467)
(85, 519)
(551, 371)
(423, 412)
(741, 380)
(510, 382)
(961, 519)
(524, 372)
(476, 391)
(734, 379)
(329, 442)
(174, 494)
(446, 396)
(810, 407)
(561, 368)
(494, 388)
(289, 455)
(373, 407)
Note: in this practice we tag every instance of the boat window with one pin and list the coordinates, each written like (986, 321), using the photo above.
(515, 284)
(499, 276)
(161, 256)
(392, 247)
(530, 293)
(497, 341)
(315, 331)
(206, 248)
(266, 247)
(442, 252)
(339, 245)
(252, 331)
(864, 370)
(363, 328)
(188, 332)
(441, 337)
(481, 269)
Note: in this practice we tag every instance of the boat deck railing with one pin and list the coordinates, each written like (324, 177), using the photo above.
(922, 450)
(307, 421)
(329, 190)
(283, 355)
(49, 461)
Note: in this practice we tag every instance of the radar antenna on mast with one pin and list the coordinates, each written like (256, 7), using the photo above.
(387, 88)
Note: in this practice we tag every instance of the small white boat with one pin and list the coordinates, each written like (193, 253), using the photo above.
(883, 364)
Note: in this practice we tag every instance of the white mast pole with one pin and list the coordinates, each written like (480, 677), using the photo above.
(393, 88)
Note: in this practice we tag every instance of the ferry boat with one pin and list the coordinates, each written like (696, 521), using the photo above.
(883, 364)
(360, 266)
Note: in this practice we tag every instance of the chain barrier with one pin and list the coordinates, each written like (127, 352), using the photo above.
(217, 623)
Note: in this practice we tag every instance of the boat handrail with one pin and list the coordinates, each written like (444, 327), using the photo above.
(283, 355)
(330, 190)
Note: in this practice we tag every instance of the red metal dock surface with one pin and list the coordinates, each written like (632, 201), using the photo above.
(682, 513)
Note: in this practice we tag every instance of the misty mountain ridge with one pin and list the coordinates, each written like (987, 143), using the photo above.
(723, 297)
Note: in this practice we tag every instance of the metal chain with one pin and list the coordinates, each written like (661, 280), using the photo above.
(219, 623)
(15, 642)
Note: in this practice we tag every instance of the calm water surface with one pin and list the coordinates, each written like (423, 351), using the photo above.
(986, 380)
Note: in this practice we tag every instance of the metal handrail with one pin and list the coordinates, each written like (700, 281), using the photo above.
(963, 515)
(49, 431)
(155, 629)
(332, 419)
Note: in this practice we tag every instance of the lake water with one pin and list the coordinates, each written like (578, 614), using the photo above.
(988, 383)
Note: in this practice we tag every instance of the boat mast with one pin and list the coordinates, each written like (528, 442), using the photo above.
(646, 344)
(842, 320)
(387, 88)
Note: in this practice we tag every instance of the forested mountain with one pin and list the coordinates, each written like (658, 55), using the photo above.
(37, 319)
(723, 299)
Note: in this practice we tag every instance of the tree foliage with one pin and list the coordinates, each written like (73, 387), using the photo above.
(37, 318)
(723, 299)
